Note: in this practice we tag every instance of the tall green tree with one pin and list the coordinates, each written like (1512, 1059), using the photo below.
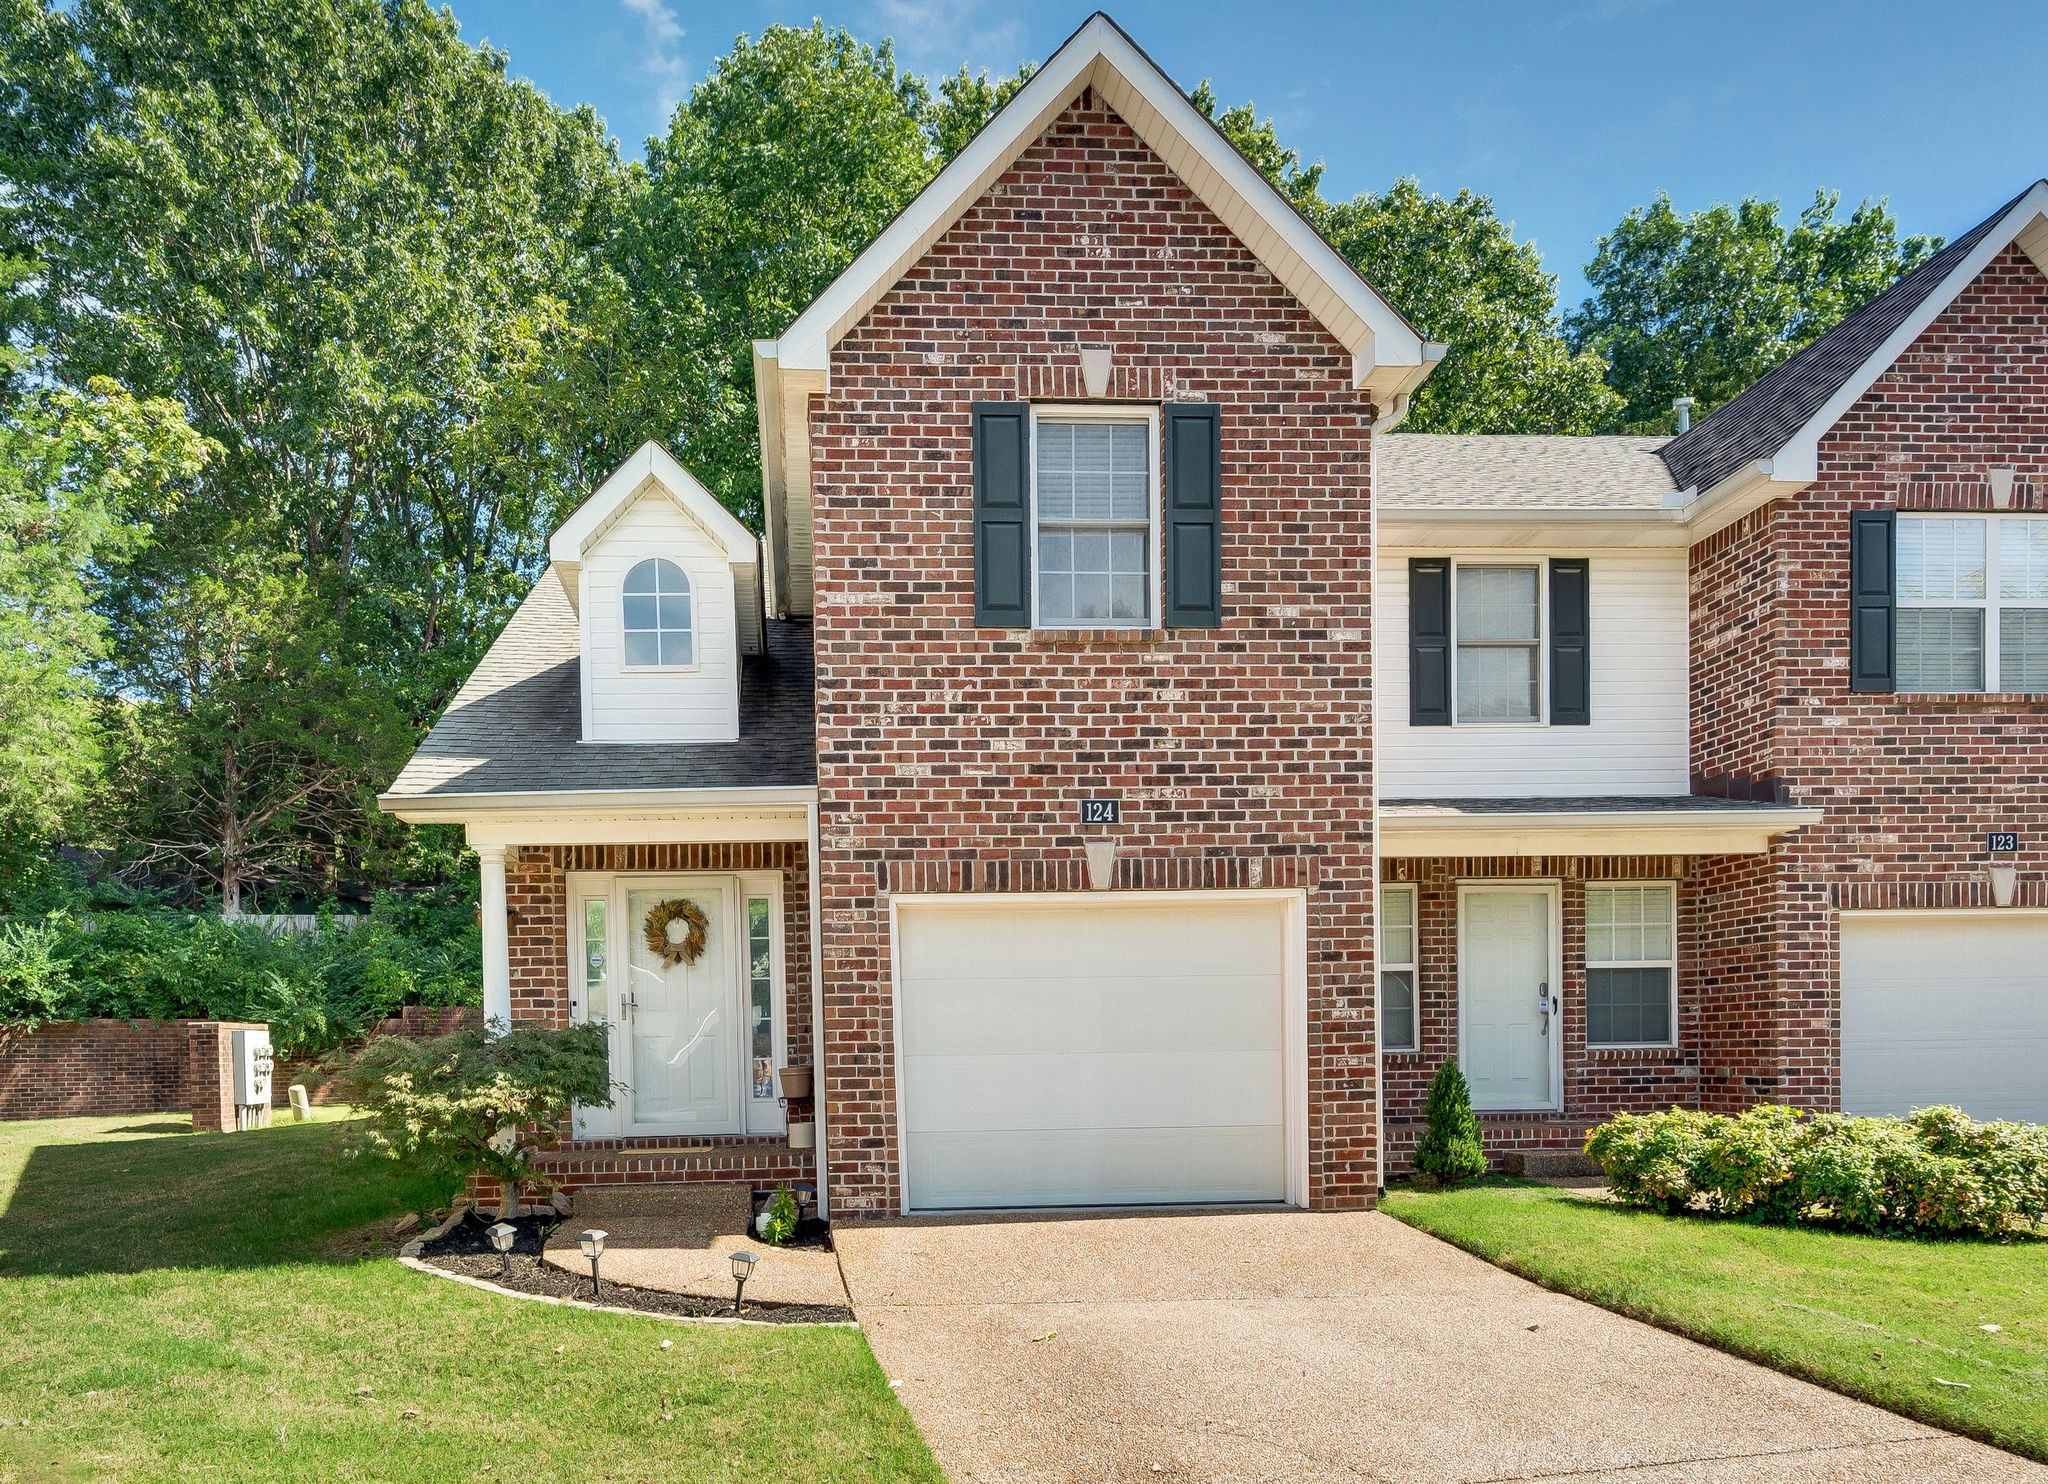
(1700, 304)
(370, 267)
(781, 166)
(83, 475)
(1455, 269)
(964, 101)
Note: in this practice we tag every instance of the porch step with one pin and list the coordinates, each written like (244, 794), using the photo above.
(1544, 1164)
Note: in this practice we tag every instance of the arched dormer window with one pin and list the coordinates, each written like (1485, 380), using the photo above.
(660, 621)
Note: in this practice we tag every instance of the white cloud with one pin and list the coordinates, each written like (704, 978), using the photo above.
(663, 60)
(939, 35)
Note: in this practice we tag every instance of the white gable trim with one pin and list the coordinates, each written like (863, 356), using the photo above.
(650, 462)
(1387, 354)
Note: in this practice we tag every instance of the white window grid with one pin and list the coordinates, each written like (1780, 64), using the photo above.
(1666, 918)
(1408, 963)
(1932, 539)
(1148, 418)
(1539, 644)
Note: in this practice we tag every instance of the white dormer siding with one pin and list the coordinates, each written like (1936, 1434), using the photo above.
(1637, 742)
(694, 703)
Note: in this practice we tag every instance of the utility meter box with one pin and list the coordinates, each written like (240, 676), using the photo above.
(252, 1068)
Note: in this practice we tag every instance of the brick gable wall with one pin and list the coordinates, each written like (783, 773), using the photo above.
(952, 757)
(1910, 783)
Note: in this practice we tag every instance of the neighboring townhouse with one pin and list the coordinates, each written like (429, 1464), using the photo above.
(1126, 768)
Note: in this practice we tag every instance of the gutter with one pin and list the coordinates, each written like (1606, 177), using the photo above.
(458, 808)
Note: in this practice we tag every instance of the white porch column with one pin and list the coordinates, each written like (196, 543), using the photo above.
(497, 947)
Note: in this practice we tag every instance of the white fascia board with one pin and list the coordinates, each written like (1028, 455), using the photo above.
(1423, 528)
(1100, 55)
(651, 462)
(1749, 488)
(1801, 451)
(1567, 832)
(612, 816)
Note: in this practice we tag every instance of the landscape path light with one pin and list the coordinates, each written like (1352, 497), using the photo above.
(742, 1269)
(592, 1243)
(502, 1236)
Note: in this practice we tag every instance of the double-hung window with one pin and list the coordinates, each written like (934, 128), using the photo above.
(1972, 603)
(1631, 964)
(1498, 670)
(1398, 1004)
(1095, 513)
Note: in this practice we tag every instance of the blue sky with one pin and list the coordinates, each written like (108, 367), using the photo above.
(1566, 112)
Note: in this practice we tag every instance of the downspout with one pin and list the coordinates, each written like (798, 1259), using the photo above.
(817, 1011)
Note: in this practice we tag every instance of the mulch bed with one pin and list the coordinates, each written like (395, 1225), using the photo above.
(467, 1250)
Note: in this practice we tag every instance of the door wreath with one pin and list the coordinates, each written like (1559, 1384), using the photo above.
(661, 940)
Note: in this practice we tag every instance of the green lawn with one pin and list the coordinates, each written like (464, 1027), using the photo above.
(1875, 1318)
(201, 1307)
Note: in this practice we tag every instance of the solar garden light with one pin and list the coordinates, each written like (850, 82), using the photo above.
(592, 1243)
(502, 1236)
(742, 1269)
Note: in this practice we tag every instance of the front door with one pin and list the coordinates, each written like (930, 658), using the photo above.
(679, 1040)
(1508, 1031)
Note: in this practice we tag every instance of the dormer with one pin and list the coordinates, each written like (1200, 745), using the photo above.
(666, 587)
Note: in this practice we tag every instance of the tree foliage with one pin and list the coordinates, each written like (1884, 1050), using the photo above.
(1700, 304)
(480, 1102)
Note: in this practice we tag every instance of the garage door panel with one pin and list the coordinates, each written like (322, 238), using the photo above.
(1147, 1166)
(1096, 1013)
(1109, 1089)
(1093, 1053)
(1945, 1011)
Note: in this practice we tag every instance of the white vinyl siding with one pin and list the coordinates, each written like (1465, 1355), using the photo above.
(1972, 603)
(699, 703)
(1637, 742)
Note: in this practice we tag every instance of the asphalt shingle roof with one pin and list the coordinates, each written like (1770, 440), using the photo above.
(1533, 471)
(1759, 421)
(514, 726)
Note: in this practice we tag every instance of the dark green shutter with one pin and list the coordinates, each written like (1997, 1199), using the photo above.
(1429, 642)
(1571, 643)
(1194, 515)
(1002, 515)
(1873, 663)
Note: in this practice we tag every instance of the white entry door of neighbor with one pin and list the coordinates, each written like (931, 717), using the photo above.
(1507, 983)
(1941, 1008)
(679, 1039)
(1092, 1052)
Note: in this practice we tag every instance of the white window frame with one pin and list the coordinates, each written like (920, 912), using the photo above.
(1670, 965)
(766, 1115)
(1542, 643)
(1412, 968)
(626, 667)
(1069, 412)
(1990, 606)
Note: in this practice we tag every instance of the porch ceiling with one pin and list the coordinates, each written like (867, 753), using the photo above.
(1688, 824)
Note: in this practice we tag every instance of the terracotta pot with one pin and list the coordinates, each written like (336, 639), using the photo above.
(796, 1081)
(803, 1135)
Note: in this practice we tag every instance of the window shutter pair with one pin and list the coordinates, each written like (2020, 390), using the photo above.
(1430, 640)
(1191, 517)
(1873, 563)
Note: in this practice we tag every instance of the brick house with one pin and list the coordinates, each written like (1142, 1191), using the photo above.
(1125, 767)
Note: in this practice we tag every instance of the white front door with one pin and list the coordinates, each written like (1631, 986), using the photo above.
(1506, 986)
(680, 1038)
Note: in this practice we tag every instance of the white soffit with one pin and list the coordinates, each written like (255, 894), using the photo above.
(1587, 832)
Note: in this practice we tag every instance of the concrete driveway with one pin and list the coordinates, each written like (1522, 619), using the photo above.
(1284, 1345)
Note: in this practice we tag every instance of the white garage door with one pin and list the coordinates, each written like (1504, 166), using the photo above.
(1945, 1010)
(1097, 1054)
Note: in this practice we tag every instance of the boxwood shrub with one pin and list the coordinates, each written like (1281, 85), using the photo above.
(1934, 1173)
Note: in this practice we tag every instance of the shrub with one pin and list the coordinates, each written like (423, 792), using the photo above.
(1936, 1173)
(476, 1103)
(33, 985)
(781, 1223)
(1449, 1150)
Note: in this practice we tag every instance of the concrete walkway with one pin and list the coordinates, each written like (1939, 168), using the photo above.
(1290, 1346)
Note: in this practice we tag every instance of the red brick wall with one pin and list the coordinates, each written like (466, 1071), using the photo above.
(953, 757)
(95, 1067)
(1598, 1082)
(1910, 783)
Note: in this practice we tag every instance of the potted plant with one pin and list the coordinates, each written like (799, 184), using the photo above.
(795, 1081)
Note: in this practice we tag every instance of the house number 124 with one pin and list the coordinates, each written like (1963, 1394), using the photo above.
(1102, 811)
